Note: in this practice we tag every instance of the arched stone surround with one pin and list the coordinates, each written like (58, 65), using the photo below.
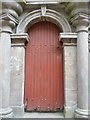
(18, 50)
(51, 15)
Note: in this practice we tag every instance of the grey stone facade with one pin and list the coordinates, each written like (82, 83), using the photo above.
(73, 20)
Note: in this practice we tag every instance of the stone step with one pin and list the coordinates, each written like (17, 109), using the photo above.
(43, 115)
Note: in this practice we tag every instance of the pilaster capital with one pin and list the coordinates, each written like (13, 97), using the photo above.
(7, 22)
(68, 39)
(13, 5)
(19, 39)
(81, 21)
(9, 14)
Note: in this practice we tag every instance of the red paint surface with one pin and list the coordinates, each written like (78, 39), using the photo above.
(44, 73)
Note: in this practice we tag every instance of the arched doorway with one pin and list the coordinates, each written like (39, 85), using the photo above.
(44, 69)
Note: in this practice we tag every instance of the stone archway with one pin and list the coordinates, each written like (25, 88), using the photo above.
(51, 15)
(34, 17)
(22, 28)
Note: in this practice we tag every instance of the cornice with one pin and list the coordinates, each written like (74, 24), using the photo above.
(68, 39)
(51, 1)
(81, 21)
(42, 1)
(68, 35)
(19, 39)
(20, 36)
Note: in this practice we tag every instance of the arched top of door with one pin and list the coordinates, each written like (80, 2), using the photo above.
(51, 15)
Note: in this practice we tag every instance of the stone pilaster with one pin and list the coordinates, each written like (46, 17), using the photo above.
(70, 80)
(5, 50)
(8, 20)
(17, 73)
(81, 21)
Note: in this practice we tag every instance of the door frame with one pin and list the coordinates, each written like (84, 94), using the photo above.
(52, 16)
(18, 60)
(25, 86)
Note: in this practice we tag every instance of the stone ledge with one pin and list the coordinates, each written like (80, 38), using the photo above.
(19, 39)
(68, 39)
(68, 36)
(42, 1)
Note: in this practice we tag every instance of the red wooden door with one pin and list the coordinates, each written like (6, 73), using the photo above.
(44, 74)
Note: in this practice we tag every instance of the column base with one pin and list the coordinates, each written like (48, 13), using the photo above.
(69, 111)
(80, 113)
(6, 113)
(18, 111)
